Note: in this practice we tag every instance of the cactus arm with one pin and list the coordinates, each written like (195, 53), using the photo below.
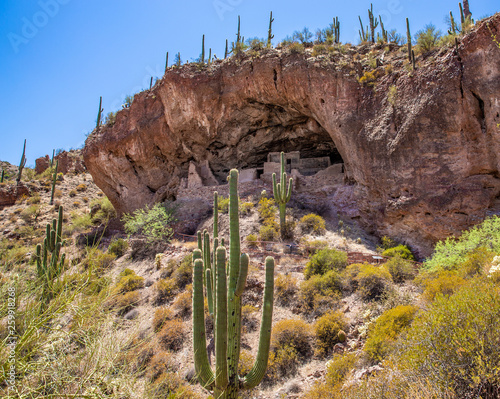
(200, 242)
(202, 366)
(221, 375)
(289, 192)
(257, 372)
(206, 253)
(242, 278)
(216, 216)
(22, 163)
(275, 188)
(59, 224)
(210, 298)
(39, 268)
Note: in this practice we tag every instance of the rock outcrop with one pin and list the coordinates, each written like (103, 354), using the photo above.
(420, 148)
(68, 162)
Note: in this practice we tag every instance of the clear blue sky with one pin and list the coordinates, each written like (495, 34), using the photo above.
(58, 56)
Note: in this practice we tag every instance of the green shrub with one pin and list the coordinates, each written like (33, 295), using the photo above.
(153, 223)
(160, 317)
(97, 261)
(223, 204)
(118, 247)
(386, 329)
(427, 38)
(252, 240)
(282, 362)
(320, 293)
(296, 48)
(267, 208)
(400, 269)
(125, 302)
(172, 335)
(312, 223)
(296, 334)
(104, 211)
(372, 281)
(450, 253)
(30, 214)
(338, 367)
(401, 250)
(319, 49)
(246, 207)
(285, 289)
(476, 262)
(183, 275)
(128, 281)
(445, 282)
(327, 330)
(455, 343)
(165, 290)
(268, 233)
(182, 303)
(325, 260)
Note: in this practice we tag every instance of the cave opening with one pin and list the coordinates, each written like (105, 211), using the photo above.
(278, 131)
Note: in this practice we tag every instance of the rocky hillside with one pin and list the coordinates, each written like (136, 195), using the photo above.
(420, 147)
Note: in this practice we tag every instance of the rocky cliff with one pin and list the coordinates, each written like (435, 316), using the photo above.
(420, 148)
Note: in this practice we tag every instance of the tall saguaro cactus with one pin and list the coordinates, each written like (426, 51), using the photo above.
(54, 179)
(336, 30)
(408, 39)
(49, 269)
(373, 23)
(227, 277)
(22, 163)
(99, 113)
(3, 176)
(282, 194)
(270, 35)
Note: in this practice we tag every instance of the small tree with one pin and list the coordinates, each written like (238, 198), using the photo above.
(427, 38)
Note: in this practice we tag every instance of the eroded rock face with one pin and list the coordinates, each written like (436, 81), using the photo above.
(420, 164)
(68, 162)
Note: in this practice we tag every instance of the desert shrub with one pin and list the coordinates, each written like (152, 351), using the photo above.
(445, 282)
(246, 362)
(296, 48)
(283, 362)
(314, 245)
(369, 78)
(182, 304)
(338, 367)
(154, 223)
(80, 222)
(312, 223)
(81, 187)
(102, 211)
(252, 240)
(161, 315)
(160, 363)
(97, 261)
(267, 208)
(128, 281)
(172, 335)
(285, 289)
(372, 281)
(34, 199)
(268, 233)
(327, 329)
(401, 250)
(246, 207)
(30, 214)
(170, 385)
(223, 204)
(400, 269)
(125, 302)
(325, 260)
(448, 254)
(386, 329)
(183, 275)
(320, 293)
(118, 247)
(165, 290)
(319, 49)
(476, 262)
(427, 38)
(455, 343)
(494, 270)
(296, 334)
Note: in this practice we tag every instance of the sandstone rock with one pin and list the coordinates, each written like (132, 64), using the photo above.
(418, 169)
(68, 162)
(9, 193)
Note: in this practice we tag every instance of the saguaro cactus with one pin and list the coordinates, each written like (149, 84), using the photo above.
(22, 163)
(362, 35)
(3, 175)
(54, 179)
(166, 63)
(203, 50)
(99, 113)
(49, 269)
(408, 38)
(281, 194)
(270, 35)
(336, 30)
(225, 381)
(373, 23)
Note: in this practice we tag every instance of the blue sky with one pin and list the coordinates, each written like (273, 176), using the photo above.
(58, 56)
